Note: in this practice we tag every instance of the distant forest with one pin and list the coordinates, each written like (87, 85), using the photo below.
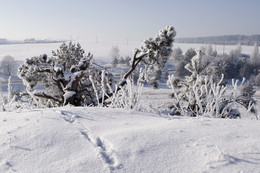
(28, 41)
(223, 40)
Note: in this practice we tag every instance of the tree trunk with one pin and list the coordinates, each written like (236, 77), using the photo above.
(136, 61)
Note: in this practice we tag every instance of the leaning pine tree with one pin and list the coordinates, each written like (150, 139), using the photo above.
(70, 77)
(153, 54)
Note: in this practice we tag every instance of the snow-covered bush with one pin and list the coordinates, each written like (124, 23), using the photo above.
(206, 97)
(203, 95)
(64, 77)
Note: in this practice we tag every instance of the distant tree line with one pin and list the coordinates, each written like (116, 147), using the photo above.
(223, 40)
(234, 65)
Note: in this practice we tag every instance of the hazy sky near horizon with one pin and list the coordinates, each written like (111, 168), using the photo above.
(121, 19)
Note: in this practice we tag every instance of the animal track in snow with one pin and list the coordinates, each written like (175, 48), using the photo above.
(7, 166)
(106, 152)
(68, 116)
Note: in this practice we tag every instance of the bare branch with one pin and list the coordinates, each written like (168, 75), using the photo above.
(47, 96)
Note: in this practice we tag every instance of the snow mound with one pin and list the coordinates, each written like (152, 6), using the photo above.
(73, 139)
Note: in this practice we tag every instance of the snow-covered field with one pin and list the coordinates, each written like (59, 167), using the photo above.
(88, 139)
(100, 50)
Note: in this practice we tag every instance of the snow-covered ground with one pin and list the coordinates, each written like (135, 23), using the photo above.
(88, 139)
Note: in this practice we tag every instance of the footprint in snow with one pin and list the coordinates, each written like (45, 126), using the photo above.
(68, 116)
(7, 166)
(106, 152)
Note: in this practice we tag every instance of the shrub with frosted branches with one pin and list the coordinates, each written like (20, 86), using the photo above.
(208, 97)
(200, 94)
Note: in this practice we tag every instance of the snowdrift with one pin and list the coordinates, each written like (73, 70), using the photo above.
(73, 139)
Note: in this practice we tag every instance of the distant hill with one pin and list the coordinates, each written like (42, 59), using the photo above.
(223, 40)
(28, 41)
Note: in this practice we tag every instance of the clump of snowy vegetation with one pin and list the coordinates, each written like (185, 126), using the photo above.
(64, 77)
(203, 95)
(71, 77)
(129, 96)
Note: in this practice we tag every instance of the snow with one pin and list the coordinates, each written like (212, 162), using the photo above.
(70, 139)
(68, 94)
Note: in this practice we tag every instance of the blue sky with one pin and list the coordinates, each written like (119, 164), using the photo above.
(121, 19)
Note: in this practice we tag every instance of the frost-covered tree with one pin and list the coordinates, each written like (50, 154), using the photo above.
(153, 55)
(236, 53)
(114, 55)
(189, 54)
(255, 59)
(181, 71)
(65, 76)
(121, 60)
(127, 60)
(198, 65)
(229, 66)
(8, 65)
(257, 80)
(209, 50)
(245, 69)
(177, 54)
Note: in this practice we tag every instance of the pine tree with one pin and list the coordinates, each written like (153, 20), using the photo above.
(153, 55)
(198, 66)
(65, 76)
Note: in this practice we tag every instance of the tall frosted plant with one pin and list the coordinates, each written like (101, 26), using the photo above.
(2, 104)
(129, 95)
